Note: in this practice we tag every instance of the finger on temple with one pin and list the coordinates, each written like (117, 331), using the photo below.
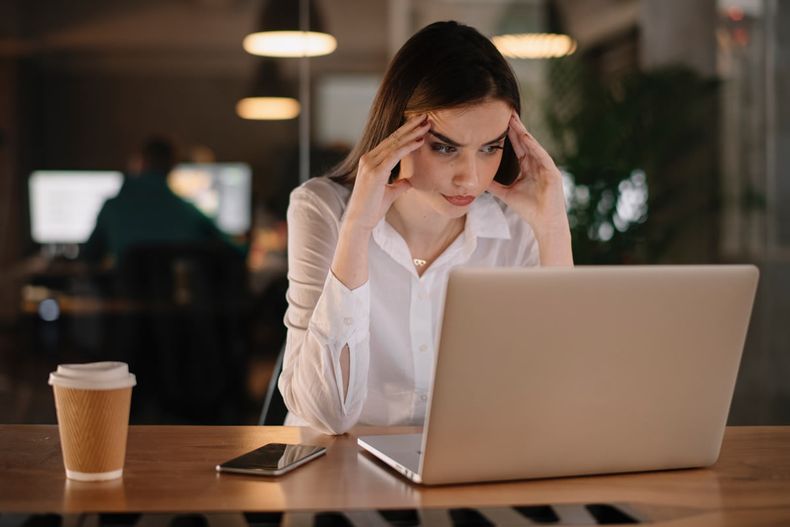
(395, 155)
(517, 142)
(519, 123)
(406, 139)
(404, 133)
(411, 123)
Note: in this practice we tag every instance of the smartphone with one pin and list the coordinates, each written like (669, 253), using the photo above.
(272, 459)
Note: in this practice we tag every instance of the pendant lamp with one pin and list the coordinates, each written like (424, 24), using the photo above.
(280, 32)
(531, 30)
(291, 28)
(270, 98)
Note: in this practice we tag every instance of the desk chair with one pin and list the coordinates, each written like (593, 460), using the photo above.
(274, 409)
(189, 338)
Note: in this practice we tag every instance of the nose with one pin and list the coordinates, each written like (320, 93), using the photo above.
(465, 176)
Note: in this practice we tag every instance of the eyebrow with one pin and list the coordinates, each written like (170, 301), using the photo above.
(456, 143)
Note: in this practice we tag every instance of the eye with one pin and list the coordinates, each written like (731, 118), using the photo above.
(491, 149)
(443, 148)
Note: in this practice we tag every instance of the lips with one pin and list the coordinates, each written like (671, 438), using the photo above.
(459, 201)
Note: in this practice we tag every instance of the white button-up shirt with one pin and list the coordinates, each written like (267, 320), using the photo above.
(389, 324)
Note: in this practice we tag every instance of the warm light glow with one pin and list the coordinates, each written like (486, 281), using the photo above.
(290, 43)
(268, 108)
(535, 45)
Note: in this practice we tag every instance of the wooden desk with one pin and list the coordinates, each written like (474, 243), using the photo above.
(171, 469)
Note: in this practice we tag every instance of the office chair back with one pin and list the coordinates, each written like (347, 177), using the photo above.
(274, 409)
(191, 343)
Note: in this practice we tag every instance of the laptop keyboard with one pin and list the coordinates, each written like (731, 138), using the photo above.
(520, 515)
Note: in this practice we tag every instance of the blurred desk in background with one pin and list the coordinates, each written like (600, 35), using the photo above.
(49, 304)
(179, 314)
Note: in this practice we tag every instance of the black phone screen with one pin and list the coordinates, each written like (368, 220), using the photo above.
(272, 456)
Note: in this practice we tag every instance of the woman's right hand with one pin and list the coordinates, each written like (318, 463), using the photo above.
(373, 195)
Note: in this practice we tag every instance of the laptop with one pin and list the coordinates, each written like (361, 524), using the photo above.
(564, 372)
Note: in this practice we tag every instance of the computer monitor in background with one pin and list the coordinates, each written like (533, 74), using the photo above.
(64, 203)
(222, 191)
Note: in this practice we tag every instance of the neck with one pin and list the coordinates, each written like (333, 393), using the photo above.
(425, 231)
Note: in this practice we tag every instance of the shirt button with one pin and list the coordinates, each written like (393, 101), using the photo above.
(348, 321)
(423, 348)
(423, 397)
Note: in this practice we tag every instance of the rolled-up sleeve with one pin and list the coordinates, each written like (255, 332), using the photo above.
(323, 317)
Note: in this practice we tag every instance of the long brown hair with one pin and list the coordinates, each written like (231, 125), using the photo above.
(444, 65)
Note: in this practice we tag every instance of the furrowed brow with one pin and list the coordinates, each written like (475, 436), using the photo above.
(444, 138)
(498, 139)
(452, 142)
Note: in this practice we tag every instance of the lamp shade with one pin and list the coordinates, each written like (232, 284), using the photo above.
(279, 33)
(531, 30)
(271, 97)
(534, 45)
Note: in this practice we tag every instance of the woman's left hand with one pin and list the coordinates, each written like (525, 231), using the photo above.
(537, 194)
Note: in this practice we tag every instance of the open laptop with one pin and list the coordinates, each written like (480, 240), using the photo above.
(562, 372)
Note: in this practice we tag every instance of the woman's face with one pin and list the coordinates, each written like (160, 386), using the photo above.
(460, 156)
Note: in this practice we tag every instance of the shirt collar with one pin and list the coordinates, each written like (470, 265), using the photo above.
(485, 219)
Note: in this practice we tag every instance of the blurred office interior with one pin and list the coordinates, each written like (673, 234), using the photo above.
(669, 118)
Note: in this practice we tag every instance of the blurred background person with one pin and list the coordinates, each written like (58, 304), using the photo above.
(146, 210)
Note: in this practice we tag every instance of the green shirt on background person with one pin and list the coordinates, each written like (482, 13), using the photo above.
(147, 211)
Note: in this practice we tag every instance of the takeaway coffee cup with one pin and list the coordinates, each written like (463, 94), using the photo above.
(92, 402)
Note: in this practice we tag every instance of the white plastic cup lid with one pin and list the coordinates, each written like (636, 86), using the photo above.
(93, 376)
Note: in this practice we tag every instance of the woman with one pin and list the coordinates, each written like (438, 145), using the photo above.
(370, 246)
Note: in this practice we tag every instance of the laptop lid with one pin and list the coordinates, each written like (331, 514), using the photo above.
(555, 371)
